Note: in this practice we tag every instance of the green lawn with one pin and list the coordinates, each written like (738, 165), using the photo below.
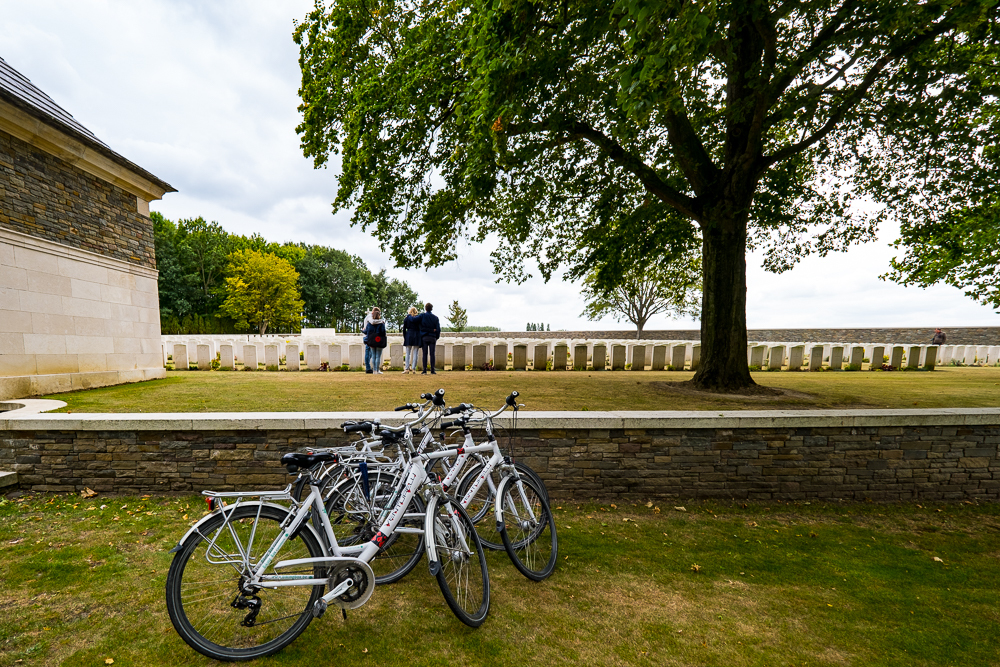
(777, 584)
(215, 391)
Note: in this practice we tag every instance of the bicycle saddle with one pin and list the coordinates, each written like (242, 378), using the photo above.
(295, 460)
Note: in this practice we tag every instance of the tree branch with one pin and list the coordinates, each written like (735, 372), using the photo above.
(647, 175)
(859, 93)
(781, 82)
(690, 153)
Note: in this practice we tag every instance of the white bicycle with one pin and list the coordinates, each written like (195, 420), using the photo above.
(249, 578)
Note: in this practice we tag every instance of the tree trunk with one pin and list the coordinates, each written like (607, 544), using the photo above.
(723, 364)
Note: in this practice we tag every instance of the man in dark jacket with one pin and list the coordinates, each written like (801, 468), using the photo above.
(430, 331)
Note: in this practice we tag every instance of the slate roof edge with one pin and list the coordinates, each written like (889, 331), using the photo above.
(82, 137)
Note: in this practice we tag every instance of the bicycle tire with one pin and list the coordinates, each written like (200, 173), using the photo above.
(529, 538)
(200, 594)
(481, 506)
(460, 567)
(354, 520)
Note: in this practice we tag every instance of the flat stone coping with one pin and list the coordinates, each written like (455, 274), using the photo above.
(297, 421)
(29, 406)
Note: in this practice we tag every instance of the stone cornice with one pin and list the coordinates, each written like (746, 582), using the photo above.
(69, 252)
(80, 152)
(294, 421)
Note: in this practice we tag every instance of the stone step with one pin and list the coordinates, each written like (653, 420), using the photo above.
(8, 479)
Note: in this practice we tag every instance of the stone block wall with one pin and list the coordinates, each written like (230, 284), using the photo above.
(848, 455)
(71, 319)
(46, 197)
(902, 336)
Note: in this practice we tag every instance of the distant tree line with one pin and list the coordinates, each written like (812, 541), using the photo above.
(212, 281)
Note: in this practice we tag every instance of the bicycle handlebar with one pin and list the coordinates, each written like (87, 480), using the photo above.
(512, 400)
(362, 427)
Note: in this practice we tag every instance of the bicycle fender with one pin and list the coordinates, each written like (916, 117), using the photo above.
(228, 508)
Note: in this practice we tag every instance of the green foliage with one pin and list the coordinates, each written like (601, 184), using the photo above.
(604, 134)
(336, 288)
(262, 291)
(393, 296)
(457, 316)
(658, 287)
(962, 249)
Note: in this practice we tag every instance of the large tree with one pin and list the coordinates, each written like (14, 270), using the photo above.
(570, 127)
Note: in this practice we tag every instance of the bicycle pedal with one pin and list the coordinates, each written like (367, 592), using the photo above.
(319, 608)
(343, 611)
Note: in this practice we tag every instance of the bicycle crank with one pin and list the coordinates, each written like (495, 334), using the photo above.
(351, 584)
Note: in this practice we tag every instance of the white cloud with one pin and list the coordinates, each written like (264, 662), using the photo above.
(203, 94)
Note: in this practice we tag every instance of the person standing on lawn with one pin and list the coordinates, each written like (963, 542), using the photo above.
(375, 340)
(430, 331)
(364, 339)
(411, 340)
(939, 337)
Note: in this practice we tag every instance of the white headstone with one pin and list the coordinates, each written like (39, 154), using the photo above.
(227, 361)
(313, 359)
(271, 357)
(292, 361)
(250, 357)
(180, 357)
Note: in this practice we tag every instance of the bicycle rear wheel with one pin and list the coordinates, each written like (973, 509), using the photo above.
(458, 560)
(529, 529)
(480, 507)
(204, 598)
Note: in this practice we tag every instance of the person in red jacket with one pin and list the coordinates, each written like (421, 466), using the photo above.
(375, 339)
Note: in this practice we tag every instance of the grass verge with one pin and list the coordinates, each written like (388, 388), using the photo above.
(712, 584)
(208, 391)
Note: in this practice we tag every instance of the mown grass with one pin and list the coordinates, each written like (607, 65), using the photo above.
(624, 390)
(779, 584)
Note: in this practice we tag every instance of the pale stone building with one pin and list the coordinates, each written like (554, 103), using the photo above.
(78, 280)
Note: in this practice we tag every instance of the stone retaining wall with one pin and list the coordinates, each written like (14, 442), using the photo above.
(850, 455)
(901, 336)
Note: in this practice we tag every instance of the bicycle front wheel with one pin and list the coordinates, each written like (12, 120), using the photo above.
(458, 560)
(206, 598)
(528, 527)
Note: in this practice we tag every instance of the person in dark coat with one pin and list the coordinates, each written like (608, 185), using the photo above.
(430, 331)
(939, 337)
(411, 340)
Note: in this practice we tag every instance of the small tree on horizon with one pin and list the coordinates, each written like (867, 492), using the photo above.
(457, 316)
(672, 287)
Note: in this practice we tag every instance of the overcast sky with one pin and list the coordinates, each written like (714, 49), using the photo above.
(203, 94)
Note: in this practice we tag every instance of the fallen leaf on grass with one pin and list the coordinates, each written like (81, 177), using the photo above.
(614, 507)
(681, 509)
(628, 519)
(88, 493)
(109, 661)
(649, 503)
(937, 560)
(696, 568)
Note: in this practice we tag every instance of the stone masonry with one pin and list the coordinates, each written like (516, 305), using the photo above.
(48, 198)
(788, 459)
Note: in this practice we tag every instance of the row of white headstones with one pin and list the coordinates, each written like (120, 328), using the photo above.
(272, 353)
